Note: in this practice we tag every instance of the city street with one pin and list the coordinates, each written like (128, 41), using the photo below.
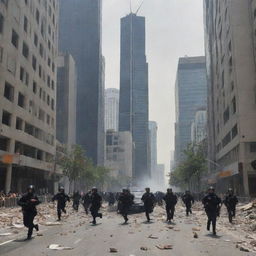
(136, 238)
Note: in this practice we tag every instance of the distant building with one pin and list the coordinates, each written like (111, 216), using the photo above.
(66, 100)
(119, 153)
(230, 53)
(80, 35)
(133, 106)
(28, 52)
(153, 148)
(111, 109)
(160, 177)
(190, 95)
(199, 127)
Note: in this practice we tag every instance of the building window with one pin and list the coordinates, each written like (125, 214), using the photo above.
(34, 87)
(35, 39)
(37, 16)
(22, 74)
(6, 118)
(4, 143)
(40, 71)
(41, 50)
(53, 87)
(25, 26)
(1, 54)
(8, 92)
(226, 115)
(48, 81)
(226, 140)
(21, 100)
(234, 105)
(234, 131)
(19, 123)
(34, 62)
(1, 23)
(41, 115)
(15, 39)
(52, 104)
(253, 147)
(53, 67)
(49, 62)
(25, 50)
(48, 100)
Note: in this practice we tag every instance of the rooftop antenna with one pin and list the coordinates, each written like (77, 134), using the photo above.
(139, 7)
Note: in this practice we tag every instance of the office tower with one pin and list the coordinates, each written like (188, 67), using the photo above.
(66, 100)
(230, 54)
(153, 148)
(80, 35)
(28, 52)
(190, 96)
(133, 106)
(111, 109)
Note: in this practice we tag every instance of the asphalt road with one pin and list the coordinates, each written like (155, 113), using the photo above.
(76, 232)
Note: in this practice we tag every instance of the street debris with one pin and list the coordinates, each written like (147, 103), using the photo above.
(152, 237)
(6, 234)
(113, 250)
(58, 247)
(195, 235)
(143, 248)
(164, 247)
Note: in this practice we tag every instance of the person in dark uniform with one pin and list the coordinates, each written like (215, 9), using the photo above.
(149, 200)
(212, 204)
(87, 201)
(124, 204)
(28, 202)
(230, 202)
(61, 199)
(188, 200)
(76, 200)
(96, 201)
(170, 201)
(111, 198)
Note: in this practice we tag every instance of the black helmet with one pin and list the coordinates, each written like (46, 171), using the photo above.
(211, 188)
(125, 190)
(147, 189)
(32, 188)
(169, 189)
(94, 189)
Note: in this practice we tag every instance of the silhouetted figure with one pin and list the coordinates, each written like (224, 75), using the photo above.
(188, 200)
(76, 200)
(96, 200)
(170, 201)
(230, 202)
(148, 199)
(124, 203)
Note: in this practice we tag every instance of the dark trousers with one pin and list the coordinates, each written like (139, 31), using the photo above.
(231, 213)
(124, 213)
(188, 209)
(75, 205)
(28, 219)
(170, 209)
(59, 210)
(212, 219)
(148, 210)
(95, 213)
(86, 207)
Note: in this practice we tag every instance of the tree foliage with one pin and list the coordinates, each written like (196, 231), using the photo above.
(191, 169)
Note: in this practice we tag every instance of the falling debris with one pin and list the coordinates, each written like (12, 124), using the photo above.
(164, 247)
(58, 247)
(113, 250)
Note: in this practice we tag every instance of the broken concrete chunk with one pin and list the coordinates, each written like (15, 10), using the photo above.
(164, 247)
(58, 247)
(113, 250)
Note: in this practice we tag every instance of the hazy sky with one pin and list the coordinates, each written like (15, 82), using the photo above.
(174, 28)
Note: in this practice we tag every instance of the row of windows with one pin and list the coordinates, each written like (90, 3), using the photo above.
(27, 128)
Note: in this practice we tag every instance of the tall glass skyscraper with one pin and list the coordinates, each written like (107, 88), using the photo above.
(133, 106)
(80, 35)
(190, 96)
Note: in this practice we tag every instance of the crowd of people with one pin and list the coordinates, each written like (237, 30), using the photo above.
(92, 201)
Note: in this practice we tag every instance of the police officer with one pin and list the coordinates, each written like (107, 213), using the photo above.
(212, 204)
(188, 200)
(124, 203)
(230, 202)
(86, 201)
(61, 199)
(170, 201)
(76, 200)
(149, 200)
(96, 201)
(28, 202)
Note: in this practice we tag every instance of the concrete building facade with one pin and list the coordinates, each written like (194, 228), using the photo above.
(190, 95)
(80, 35)
(119, 153)
(153, 148)
(28, 52)
(66, 100)
(133, 106)
(230, 46)
(111, 109)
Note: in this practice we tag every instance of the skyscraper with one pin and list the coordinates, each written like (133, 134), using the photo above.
(111, 109)
(190, 96)
(80, 35)
(230, 54)
(133, 106)
(153, 148)
(66, 100)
